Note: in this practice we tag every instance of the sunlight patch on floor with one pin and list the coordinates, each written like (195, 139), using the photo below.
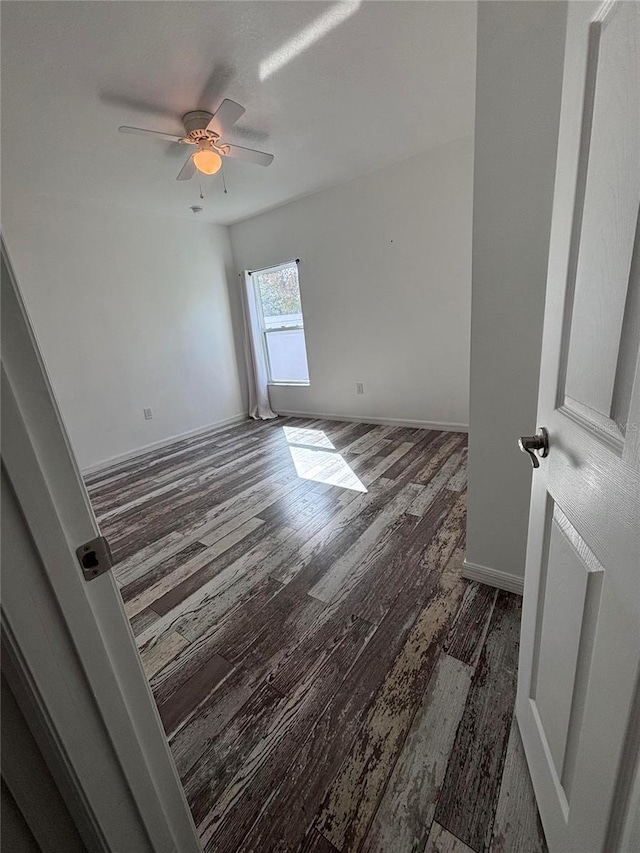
(325, 466)
(308, 437)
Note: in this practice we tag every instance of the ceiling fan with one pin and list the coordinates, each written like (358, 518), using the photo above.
(205, 132)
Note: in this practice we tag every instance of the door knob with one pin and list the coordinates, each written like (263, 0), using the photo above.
(535, 445)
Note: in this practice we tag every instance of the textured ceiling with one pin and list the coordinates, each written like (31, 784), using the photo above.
(333, 90)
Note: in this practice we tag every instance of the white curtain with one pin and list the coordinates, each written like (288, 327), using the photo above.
(259, 406)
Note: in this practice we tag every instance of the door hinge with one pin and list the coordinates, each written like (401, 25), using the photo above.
(94, 557)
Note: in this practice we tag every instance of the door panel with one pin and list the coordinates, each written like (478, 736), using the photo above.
(605, 215)
(569, 614)
(580, 646)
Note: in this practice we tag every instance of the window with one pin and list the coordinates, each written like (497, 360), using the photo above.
(280, 309)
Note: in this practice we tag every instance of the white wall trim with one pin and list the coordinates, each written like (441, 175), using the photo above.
(492, 577)
(368, 419)
(163, 442)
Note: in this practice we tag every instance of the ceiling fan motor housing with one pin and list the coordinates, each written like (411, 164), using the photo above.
(195, 124)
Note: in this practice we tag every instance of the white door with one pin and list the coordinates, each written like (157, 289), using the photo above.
(578, 702)
(67, 646)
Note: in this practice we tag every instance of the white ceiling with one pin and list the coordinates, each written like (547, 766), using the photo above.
(385, 81)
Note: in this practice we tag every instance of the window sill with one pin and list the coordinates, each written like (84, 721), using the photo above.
(292, 384)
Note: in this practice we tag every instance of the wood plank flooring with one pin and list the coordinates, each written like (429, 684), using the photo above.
(327, 679)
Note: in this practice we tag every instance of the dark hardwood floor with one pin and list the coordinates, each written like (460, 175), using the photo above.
(327, 679)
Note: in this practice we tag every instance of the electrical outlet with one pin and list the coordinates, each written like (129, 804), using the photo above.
(148, 414)
(359, 387)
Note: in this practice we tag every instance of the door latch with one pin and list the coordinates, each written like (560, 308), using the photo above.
(94, 557)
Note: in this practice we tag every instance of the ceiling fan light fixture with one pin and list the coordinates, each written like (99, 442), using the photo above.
(207, 161)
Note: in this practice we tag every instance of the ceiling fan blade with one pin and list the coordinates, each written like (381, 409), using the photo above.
(227, 114)
(157, 133)
(187, 170)
(247, 154)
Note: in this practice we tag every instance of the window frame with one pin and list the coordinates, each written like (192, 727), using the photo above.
(291, 328)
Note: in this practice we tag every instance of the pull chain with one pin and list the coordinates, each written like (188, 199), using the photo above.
(224, 183)
(199, 184)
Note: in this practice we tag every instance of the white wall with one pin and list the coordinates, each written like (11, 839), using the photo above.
(518, 88)
(132, 310)
(385, 279)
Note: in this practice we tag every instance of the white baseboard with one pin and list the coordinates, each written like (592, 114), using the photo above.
(163, 442)
(366, 419)
(493, 577)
